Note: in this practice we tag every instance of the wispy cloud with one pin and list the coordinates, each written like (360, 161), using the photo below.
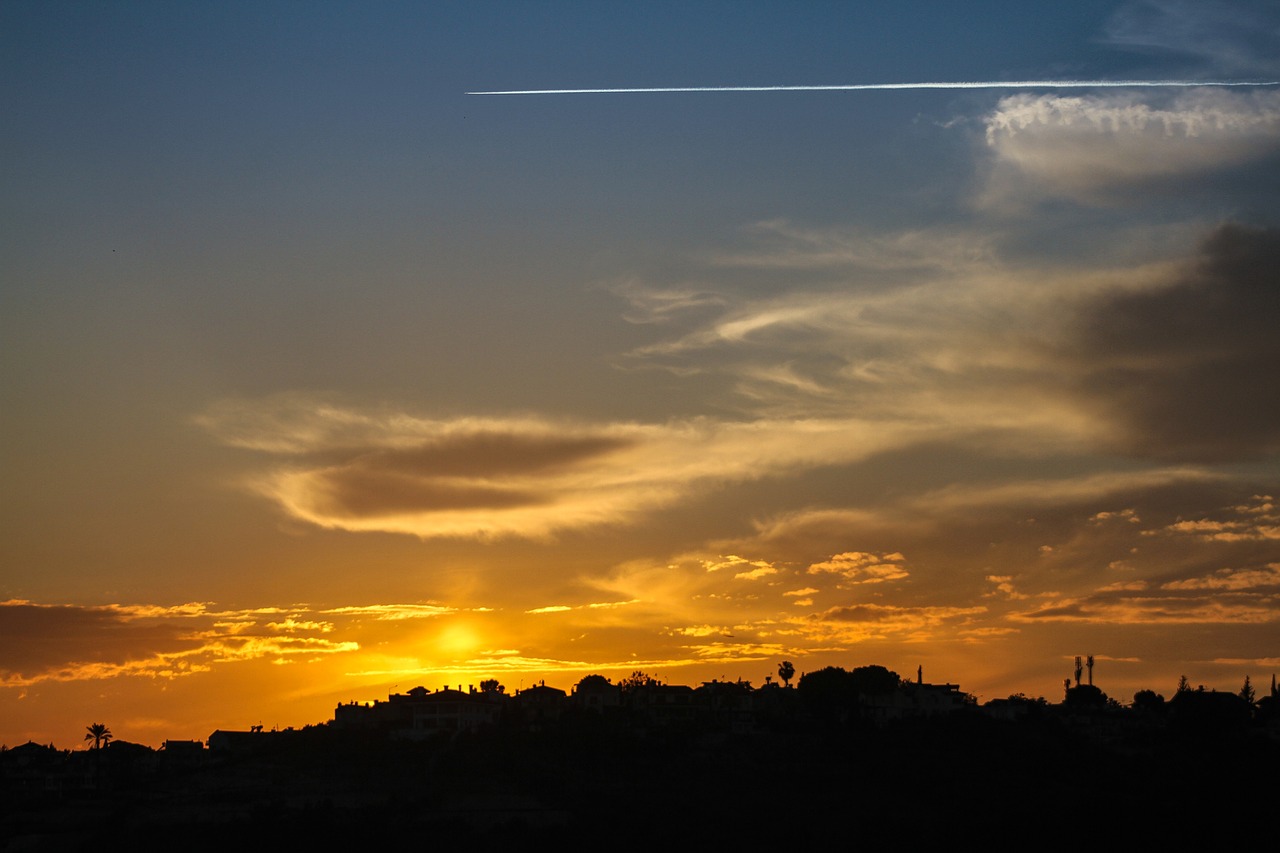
(393, 612)
(1205, 36)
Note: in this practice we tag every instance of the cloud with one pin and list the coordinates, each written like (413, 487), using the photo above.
(528, 477)
(901, 341)
(1237, 596)
(649, 305)
(393, 612)
(41, 642)
(1031, 359)
(1128, 515)
(860, 622)
(1153, 611)
(1213, 38)
(292, 624)
(1187, 366)
(860, 568)
(1004, 587)
(1234, 579)
(1097, 149)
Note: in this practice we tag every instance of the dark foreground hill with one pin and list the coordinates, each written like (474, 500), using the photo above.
(585, 781)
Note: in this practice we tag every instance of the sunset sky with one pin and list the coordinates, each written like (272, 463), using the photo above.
(321, 378)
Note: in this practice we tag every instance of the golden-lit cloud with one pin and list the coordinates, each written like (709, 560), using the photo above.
(292, 624)
(1227, 596)
(703, 631)
(1004, 587)
(858, 568)
(1258, 521)
(1267, 577)
(393, 612)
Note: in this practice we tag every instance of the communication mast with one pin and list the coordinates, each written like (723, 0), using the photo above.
(1079, 669)
(1090, 670)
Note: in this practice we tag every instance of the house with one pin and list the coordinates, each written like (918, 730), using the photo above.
(419, 713)
(595, 693)
(540, 704)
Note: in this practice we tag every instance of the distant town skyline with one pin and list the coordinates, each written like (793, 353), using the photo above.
(321, 378)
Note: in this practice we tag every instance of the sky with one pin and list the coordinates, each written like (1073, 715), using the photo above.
(321, 378)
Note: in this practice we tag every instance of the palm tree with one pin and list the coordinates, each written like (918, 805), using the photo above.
(786, 672)
(99, 734)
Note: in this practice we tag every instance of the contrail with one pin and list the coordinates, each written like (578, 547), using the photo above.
(856, 87)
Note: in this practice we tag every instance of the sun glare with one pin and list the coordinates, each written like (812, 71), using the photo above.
(457, 640)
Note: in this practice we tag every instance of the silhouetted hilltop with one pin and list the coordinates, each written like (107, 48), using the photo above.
(841, 757)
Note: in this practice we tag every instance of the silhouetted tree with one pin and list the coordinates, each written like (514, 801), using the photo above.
(1086, 696)
(786, 672)
(1183, 684)
(829, 693)
(99, 734)
(1148, 700)
(1246, 692)
(634, 680)
(874, 680)
(491, 685)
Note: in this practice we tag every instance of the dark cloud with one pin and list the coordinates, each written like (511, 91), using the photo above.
(859, 613)
(354, 492)
(40, 642)
(492, 454)
(36, 638)
(450, 473)
(1190, 369)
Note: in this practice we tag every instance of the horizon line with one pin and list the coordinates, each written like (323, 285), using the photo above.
(988, 84)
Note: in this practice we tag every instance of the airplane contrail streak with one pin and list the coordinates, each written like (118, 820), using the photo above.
(853, 87)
